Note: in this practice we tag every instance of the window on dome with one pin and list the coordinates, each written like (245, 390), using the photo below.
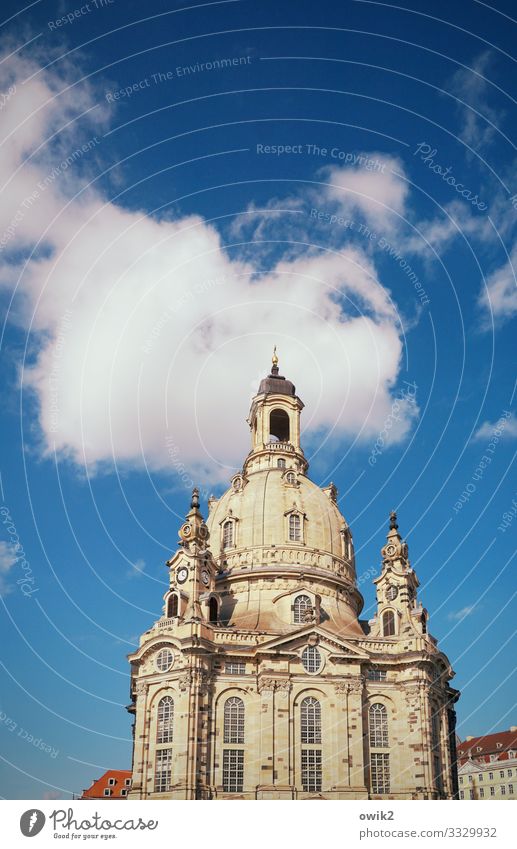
(388, 624)
(295, 527)
(279, 426)
(227, 534)
(290, 477)
(280, 463)
(302, 604)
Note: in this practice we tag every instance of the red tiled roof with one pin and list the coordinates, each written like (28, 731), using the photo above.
(99, 785)
(488, 744)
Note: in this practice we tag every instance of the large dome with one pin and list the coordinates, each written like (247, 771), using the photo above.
(260, 505)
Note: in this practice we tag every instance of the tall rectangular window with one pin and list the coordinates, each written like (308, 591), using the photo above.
(233, 770)
(163, 770)
(311, 770)
(380, 772)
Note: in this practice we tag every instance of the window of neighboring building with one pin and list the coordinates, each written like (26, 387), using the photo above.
(163, 770)
(235, 667)
(378, 726)
(311, 659)
(471, 794)
(310, 722)
(461, 779)
(233, 770)
(388, 624)
(228, 534)
(295, 527)
(234, 720)
(107, 791)
(377, 675)
(123, 792)
(380, 772)
(111, 782)
(311, 770)
(302, 603)
(481, 792)
(165, 720)
(492, 791)
(510, 789)
(462, 794)
(509, 773)
(470, 779)
(503, 790)
(501, 773)
(490, 776)
(480, 777)
(127, 782)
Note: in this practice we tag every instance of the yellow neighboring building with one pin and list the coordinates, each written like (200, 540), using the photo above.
(487, 766)
(259, 681)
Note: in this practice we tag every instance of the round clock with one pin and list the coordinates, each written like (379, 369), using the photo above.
(390, 550)
(182, 575)
(203, 531)
(392, 593)
(186, 531)
(205, 577)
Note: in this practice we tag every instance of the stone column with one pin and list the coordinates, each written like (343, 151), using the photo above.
(141, 744)
(354, 698)
(266, 688)
(282, 742)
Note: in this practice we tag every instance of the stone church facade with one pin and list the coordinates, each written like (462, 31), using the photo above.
(259, 681)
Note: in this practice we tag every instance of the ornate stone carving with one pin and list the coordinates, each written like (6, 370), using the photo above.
(266, 685)
(283, 688)
(141, 688)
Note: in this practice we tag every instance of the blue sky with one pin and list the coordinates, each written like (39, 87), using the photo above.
(182, 188)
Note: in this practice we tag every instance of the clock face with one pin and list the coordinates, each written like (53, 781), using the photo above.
(205, 577)
(390, 549)
(185, 531)
(182, 575)
(392, 593)
(203, 531)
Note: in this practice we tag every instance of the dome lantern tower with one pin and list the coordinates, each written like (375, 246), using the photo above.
(274, 421)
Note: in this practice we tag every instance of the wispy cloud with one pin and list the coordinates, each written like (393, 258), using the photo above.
(8, 558)
(498, 298)
(137, 569)
(479, 119)
(457, 615)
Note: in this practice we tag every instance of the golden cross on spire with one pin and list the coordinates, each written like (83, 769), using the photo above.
(274, 358)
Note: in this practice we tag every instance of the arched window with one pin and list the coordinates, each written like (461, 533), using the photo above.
(302, 603)
(388, 624)
(290, 477)
(227, 534)
(213, 610)
(234, 720)
(295, 527)
(379, 761)
(310, 720)
(279, 426)
(310, 738)
(172, 606)
(165, 720)
(280, 463)
(378, 726)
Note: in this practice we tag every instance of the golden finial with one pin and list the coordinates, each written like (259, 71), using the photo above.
(274, 358)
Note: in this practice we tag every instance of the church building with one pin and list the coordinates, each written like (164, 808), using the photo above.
(259, 680)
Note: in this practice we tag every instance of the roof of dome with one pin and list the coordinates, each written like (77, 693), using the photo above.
(275, 383)
(260, 509)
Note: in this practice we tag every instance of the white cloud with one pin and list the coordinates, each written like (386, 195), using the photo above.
(378, 195)
(8, 558)
(499, 297)
(137, 569)
(506, 425)
(479, 120)
(147, 331)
